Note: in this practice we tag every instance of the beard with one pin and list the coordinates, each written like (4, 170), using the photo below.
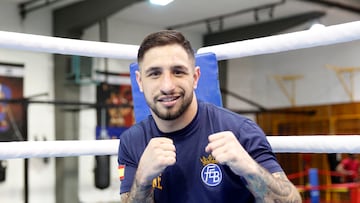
(170, 114)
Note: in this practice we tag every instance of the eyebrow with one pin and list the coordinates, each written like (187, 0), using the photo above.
(151, 69)
(180, 67)
(175, 67)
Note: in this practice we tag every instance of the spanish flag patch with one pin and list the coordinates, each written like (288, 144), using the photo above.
(121, 170)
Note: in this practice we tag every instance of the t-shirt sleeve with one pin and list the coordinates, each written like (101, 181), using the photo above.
(255, 143)
(127, 163)
(126, 183)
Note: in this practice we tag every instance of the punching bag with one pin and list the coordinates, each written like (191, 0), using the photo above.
(102, 167)
(102, 171)
(2, 171)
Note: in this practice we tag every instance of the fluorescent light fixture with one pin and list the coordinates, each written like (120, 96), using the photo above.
(161, 2)
(317, 26)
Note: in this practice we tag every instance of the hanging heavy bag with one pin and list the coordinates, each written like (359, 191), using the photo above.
(102, 171)
(2, 171)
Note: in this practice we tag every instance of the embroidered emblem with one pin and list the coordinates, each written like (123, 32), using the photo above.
(210, 160)
(211, 175)
(121, 170)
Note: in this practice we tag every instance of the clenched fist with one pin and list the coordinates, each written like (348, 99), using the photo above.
(158, 154)
(227, 150)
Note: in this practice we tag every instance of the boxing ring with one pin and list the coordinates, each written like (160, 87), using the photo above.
(280, 43)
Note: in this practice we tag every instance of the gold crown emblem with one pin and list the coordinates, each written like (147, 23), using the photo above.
(209, 160)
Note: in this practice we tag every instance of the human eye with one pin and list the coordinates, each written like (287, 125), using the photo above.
(179, 71)
(153, 73)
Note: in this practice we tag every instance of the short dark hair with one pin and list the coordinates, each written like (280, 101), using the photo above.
(162, 38)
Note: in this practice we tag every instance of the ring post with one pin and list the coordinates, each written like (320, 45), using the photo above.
(314, 182)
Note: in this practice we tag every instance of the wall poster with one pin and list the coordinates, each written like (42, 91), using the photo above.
(11, 113)
(112, 120)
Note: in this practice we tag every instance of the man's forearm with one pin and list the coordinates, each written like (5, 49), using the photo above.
(268, 187)
(139, 193)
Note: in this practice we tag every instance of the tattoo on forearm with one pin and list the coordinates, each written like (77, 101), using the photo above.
(124, 197)
(139, 194)
(275, 187)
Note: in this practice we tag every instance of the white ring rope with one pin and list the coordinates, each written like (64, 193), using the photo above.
(57, 45)
(280, 144)
(316, 144)
(64, 148)
(285, 42)
(273, 44)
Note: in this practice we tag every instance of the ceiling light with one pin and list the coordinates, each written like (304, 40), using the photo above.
(317, 26)
(161, 2)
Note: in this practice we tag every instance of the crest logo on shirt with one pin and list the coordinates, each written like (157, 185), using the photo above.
(211, 174)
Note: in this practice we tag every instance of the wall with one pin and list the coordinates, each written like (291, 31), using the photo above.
(318, 86)
(38, 79)
(252, 77)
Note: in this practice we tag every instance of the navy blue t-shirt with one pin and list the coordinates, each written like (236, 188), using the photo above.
(196, 177)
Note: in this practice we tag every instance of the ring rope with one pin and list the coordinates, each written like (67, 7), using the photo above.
(297, 40)
(58, 45)
(63, 148)
(285, 42)
(316, 144)
(280, 144)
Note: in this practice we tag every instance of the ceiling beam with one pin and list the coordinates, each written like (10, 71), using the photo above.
(71, 20)
(344, 6)
(270, 6)
(262, 29)
(33, 5)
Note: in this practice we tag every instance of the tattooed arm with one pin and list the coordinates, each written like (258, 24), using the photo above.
(158, 154)
(138, 194)
(274, 187)
(265, 187)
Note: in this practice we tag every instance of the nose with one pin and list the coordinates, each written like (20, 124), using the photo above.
(167, 85)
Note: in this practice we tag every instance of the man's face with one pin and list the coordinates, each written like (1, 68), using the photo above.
(168, 77)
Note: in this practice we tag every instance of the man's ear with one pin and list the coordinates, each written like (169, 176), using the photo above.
(138, 80)
(197, 74)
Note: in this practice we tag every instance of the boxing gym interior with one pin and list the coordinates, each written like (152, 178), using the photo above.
(292, 66)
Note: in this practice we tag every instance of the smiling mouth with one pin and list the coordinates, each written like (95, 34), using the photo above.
(168, 101)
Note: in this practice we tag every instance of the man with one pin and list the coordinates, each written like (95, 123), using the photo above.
(189, 150)
(349, 168)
